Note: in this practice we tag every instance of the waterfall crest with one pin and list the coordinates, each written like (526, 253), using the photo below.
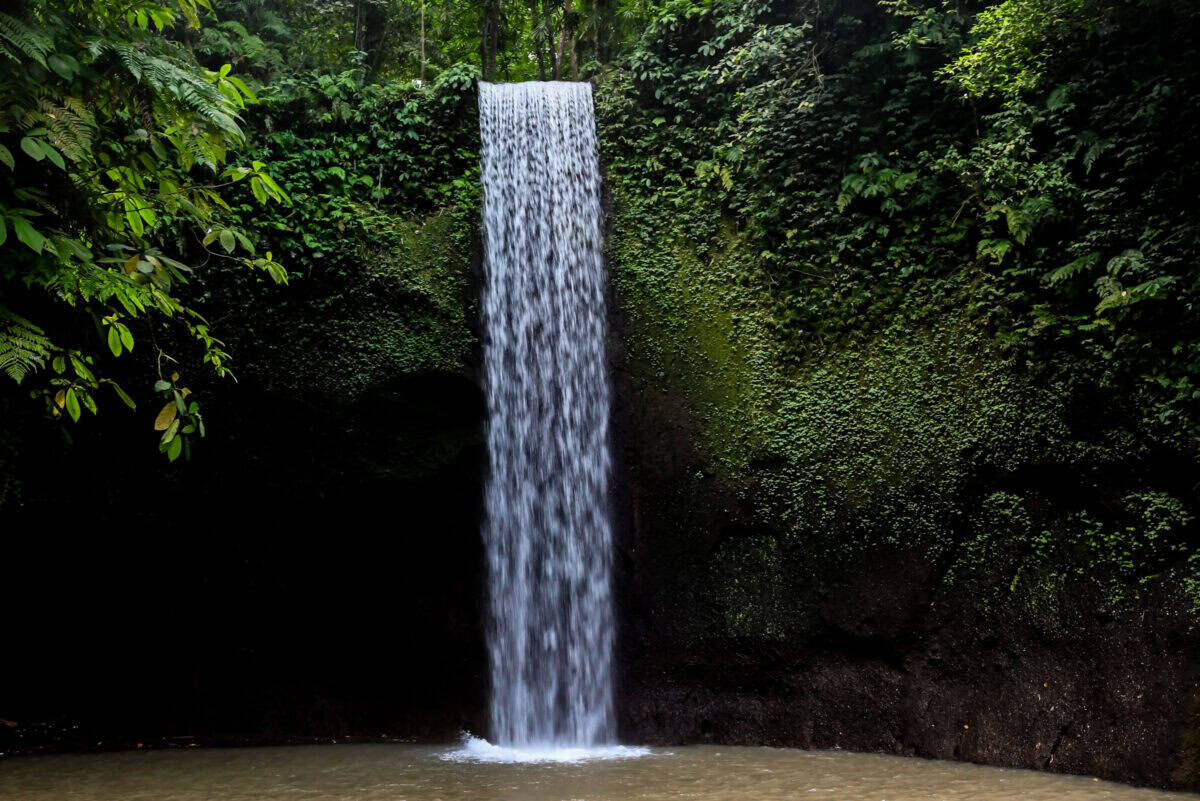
(547, 529)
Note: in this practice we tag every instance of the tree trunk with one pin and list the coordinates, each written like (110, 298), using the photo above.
(490, 42)
(566, 42)
(358, 26)
(599, 22)
(537, 40)
(548, 17)
(374, 34)
(422, 42)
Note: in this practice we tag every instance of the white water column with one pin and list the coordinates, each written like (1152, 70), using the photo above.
(547, 528)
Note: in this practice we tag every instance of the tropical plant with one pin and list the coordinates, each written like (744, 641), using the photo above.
(114, 142)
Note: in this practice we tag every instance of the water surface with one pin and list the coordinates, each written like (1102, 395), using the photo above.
(426, 773)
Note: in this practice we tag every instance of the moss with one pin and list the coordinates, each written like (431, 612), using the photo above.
(919, 432)
(376, 341)
(400, 308)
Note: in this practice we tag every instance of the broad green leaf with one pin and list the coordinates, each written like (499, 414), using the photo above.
(33, 148)
(26, 233)
(174, 447)
(170, 432)
(133, 217)
(114, 341)
(53, 155)
(81, 369)
(260, 192)
(72, 404)
(61, 66)
(227, 240)
(6, 157)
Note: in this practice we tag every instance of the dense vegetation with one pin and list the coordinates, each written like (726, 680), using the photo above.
(978, 211)
(937, 285)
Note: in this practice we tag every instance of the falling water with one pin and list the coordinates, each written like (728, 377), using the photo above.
(547, 531)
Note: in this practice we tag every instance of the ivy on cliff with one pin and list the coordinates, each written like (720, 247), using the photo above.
(898, 264)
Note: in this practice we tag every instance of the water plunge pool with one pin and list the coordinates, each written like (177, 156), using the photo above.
(426, 773)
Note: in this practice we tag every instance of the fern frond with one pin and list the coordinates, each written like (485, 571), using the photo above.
(24, 347)
(28, 42)
(72, 127)
(1068, 271)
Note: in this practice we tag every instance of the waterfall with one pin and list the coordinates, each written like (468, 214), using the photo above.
(547, 529)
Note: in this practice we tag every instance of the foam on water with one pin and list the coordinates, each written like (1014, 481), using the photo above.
(475, 749)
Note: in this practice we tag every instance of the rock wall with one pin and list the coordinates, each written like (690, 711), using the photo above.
(912, 543)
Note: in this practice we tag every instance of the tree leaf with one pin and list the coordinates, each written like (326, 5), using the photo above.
(170, 433)
(165, 418)
(26, 233)
(114, 341)
(6, 157)
(174, 447)
(123, 395)
(133, 217)
(260, 191)
(72, 404)
(32, 148)
(81, 369)
(227, 240)
(61, 66)
(53, 155)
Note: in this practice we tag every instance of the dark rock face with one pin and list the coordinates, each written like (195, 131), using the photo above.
(1117, 708)
(871, 647)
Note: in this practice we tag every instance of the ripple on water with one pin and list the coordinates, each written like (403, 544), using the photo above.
(477, 771)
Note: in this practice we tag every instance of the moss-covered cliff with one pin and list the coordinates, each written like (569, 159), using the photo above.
(911, 539)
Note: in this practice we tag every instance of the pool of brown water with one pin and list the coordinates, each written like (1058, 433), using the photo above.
(426, 773)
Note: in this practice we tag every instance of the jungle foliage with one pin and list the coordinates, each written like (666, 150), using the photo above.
(860, 170)
(116, 143)
(140, 142)
(912, 262)
(1038, 148)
